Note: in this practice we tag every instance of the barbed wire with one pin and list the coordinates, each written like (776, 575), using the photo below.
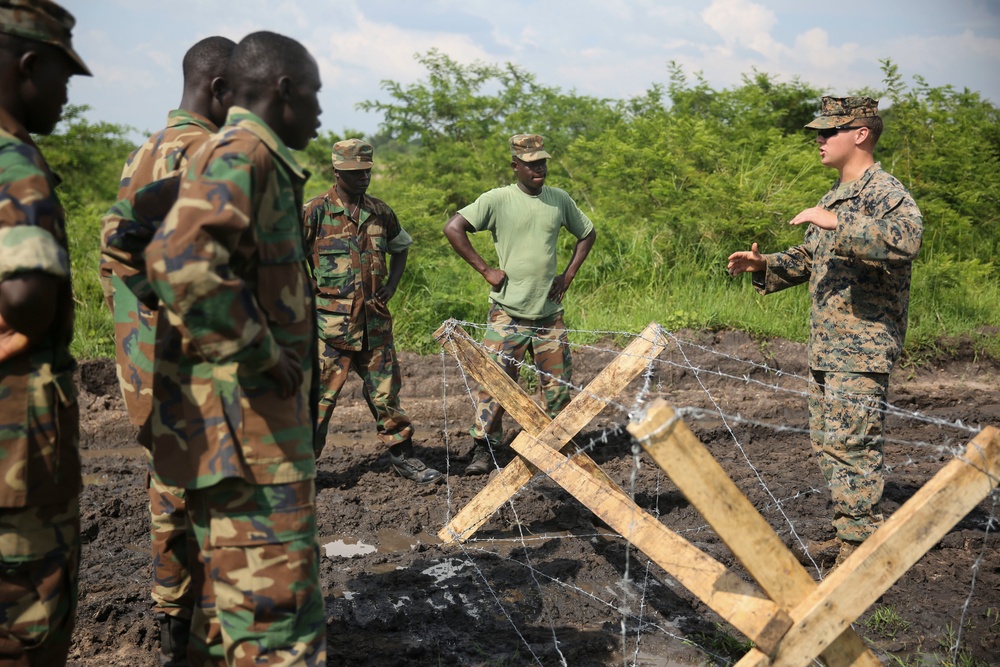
(635, 412)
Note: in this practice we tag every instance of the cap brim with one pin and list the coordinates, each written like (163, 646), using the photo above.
(79, 67)
(533, 157)
(828, 122)
(352, 165)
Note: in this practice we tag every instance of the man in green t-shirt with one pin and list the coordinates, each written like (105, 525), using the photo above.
(526, 313)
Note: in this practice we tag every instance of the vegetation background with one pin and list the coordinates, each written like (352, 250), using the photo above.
(675, 180)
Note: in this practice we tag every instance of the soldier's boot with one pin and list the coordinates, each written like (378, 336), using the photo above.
(821, 552)
(174, 635)
(846, 549)
(482, 458)
(409, 466)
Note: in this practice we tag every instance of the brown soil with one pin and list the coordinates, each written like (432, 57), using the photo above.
(544, 581)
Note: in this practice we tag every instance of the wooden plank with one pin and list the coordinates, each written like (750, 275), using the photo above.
(679, 452)
(738, 602)
(885, 556)
(477, 363)
(557, 433)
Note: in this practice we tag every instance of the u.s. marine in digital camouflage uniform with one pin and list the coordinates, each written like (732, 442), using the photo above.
(148, 188)
(234, 381)
(40, 478)
(352, 236)
(856, 257)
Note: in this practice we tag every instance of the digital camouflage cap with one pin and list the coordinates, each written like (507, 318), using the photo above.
(841, 111)
(43, 21)
(353, 155)
(528, 147)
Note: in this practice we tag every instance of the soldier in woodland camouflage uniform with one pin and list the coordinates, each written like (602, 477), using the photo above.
(151, 176)
(859, 245)
(234, 378)
(526, 314)
(39, 416)
(349, 234)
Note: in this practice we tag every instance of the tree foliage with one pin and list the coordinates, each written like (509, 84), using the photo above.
(675, 180)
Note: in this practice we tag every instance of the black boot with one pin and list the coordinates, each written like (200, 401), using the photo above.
(174, 634)
(482, 458)
(410, 467)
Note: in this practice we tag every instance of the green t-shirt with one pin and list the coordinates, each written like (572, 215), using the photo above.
(525, 229)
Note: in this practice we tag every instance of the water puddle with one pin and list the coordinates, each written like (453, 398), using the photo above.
(129, 452)
(96, 479)
(387, 541)
(346, 548)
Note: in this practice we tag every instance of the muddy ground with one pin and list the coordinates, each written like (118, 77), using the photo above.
(544, 581)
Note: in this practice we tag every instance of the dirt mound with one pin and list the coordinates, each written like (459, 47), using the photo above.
(544, 581)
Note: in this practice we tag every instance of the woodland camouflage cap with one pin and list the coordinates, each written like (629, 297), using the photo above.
(528, 147)
(840, 111)
(353, 155)
(44, 21)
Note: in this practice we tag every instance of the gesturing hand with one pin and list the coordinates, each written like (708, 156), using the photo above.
(744, 260)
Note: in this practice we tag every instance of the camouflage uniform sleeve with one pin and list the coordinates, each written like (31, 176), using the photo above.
(892, 232)
(128, 228)
(27, 219)
(311, 214)
(190, 261)
(399, 239)
(786, 269)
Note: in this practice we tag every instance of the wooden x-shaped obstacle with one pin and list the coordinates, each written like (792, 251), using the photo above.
(794, 620)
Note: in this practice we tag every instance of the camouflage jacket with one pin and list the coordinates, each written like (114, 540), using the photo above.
(349, 265)
(39, 416)
(230, 269)
(858, 274)
(147, 190)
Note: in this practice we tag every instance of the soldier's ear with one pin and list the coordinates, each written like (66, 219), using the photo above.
(285, 87)
(27, 63)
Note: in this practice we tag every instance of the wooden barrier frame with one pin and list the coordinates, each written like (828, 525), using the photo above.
(795, 620)
(822, 613)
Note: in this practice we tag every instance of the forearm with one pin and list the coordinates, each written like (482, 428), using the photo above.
(580, 252)
(397, 266)
(457, 231)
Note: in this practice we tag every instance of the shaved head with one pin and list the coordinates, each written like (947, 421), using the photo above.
(260, 59)
(207, 59)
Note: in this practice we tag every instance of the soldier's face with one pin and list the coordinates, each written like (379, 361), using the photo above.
(354, 181)
(47, 70)
(302, 110)
(531, 175)
(836, 145)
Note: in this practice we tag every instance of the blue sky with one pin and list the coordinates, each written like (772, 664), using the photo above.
(595, 47)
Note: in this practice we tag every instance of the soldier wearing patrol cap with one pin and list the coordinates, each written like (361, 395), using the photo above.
(39, 417)
(525, 219)
(859, 244)
(359, 252)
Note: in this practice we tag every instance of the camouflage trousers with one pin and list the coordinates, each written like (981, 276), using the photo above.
(172, 546)
(39, 570)
(381, 380)
(846, 424)
(261, 603)
(508, 339)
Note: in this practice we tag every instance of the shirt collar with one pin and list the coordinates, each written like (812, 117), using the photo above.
(179, 117)
(247, 120)
(15, 128)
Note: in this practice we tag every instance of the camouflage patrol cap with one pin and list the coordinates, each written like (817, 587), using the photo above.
(840, 111)
(528, 147)
(353, 155)
(43, 21)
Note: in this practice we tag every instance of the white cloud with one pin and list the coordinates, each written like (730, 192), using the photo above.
(743, 23)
